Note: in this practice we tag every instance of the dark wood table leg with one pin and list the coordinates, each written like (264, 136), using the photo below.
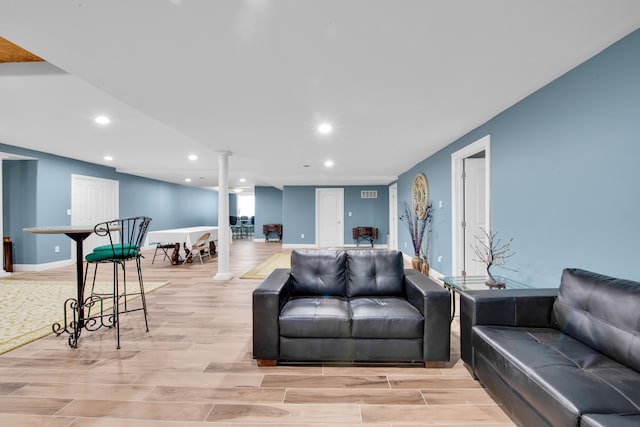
(175, 255)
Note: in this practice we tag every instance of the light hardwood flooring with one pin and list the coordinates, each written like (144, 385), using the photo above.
(194, 368)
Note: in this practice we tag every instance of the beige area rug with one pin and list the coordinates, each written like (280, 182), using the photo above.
(261, 271)
(30, 308)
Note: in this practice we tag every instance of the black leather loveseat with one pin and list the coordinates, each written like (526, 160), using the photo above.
(558, 357)
(350, 306)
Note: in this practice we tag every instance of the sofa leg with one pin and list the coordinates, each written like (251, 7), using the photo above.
(266, 362)
(435, 364)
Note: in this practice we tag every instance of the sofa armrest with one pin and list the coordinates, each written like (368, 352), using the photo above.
(268, 299)
(510, 307)
(434, 303)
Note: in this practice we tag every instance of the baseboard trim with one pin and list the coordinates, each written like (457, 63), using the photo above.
(42, 267)
(300, 246)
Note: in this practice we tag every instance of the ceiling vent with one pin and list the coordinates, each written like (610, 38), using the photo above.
(369, 194)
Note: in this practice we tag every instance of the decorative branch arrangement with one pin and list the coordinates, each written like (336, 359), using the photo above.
(492, 252)
(417, 226)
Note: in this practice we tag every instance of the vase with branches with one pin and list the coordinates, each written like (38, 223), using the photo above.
(492, 252)
(418, 229)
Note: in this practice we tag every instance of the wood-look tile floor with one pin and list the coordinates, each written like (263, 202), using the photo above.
(194, 368)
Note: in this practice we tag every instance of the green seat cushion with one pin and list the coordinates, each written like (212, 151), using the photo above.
(109, 254)
(117, 247)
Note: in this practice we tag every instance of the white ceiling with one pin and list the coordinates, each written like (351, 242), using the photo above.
(398, 79)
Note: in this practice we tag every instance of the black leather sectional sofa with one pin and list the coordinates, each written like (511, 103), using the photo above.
(558, 357)
(350, 306)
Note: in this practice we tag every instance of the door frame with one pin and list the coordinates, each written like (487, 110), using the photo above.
(340, 219)
(457, 198)
(392, 242)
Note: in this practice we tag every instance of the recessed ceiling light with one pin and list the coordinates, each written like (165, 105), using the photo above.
(193, 157)
(325, 128)
(187, 179)
(102, 120)
(108, 158)
(328, 163)
(237, 190)
(243, 180)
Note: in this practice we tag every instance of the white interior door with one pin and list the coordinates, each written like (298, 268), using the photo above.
(472, 206)
(474, 213)
(93, 200)
(329, 217)
(393, 217)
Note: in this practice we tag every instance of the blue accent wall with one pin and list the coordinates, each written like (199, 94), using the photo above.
(233, 204)
(366, 212)
(19, 180)
(38, 193)
(299, 213)
(167, 204)
(564, 184)
(268, 208)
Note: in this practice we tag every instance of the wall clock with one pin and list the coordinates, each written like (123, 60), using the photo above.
(420, 196)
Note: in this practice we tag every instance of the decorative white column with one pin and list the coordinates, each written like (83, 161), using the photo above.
(2, 271)
(224, 236)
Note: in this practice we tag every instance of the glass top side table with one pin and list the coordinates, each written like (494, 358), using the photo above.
(476, 283)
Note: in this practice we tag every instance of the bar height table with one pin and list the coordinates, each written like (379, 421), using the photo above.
(77, 234)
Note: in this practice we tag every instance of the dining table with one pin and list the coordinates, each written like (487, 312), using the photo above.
(73, 324)
(183, 239)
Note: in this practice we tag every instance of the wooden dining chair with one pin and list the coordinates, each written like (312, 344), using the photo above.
(200, 247)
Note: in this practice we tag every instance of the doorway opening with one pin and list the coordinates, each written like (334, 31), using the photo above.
(471, 204)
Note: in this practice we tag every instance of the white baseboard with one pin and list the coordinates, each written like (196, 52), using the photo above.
(366, 246)
(299, 246)
(42, 267)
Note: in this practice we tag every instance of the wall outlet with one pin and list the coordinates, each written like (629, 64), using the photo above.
(349, 213)
(440, 258)
(302, 236)
(69, 212)
(56, 249)
(405, 244)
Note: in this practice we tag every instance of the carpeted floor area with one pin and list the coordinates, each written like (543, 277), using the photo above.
(30, 308)
(262, 270)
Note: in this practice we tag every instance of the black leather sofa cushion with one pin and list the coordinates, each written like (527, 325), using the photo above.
(316, 318)
(553, 371)
(374, 273)
(607, 420)
(385, 317)
(602, 312)
(318, 273)
(349, 350)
